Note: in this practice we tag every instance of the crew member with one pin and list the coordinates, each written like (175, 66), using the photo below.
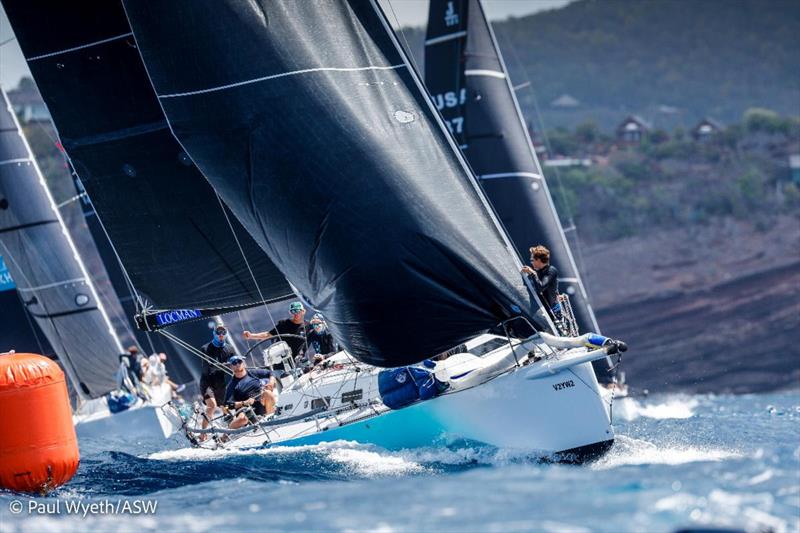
(320, 338)
(212, 377)
(249, 387)
(544, 278)
(296, 325)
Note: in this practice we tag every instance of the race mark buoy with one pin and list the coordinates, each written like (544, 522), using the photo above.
(38, 446)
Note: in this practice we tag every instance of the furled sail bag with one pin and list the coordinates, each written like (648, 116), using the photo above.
(399, 387)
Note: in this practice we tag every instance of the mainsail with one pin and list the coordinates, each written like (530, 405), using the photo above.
(167, 224)
(469, 84)
(52, 280)
(311, 124)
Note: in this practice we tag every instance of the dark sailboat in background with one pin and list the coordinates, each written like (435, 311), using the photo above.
(48, 271)
(468, 81)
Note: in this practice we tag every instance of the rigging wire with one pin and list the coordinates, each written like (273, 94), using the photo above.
(247, 263)
(409, 52)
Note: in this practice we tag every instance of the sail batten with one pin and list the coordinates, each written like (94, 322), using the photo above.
(344, 177)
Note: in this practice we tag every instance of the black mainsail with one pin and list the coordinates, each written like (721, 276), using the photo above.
(49, 274)
(165, 221)
(311, 124)
(468, 81)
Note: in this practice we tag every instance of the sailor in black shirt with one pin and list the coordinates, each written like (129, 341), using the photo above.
(296, 325)
(212, 377)
(544, 278)
(320, 339)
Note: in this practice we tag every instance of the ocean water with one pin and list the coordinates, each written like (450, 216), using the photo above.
(678, 462)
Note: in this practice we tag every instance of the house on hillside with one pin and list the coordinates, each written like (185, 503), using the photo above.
(565, 101)
(706, 129)
(632, 129)
(794, 168)
(27, 102)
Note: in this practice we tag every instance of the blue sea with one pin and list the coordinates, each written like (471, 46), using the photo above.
(678, 462)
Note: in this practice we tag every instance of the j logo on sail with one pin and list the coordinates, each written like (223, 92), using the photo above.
(450, 16)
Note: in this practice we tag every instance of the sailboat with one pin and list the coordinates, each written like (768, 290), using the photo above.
(58, 292)
(332, 165)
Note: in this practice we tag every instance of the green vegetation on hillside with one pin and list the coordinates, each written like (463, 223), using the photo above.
(675, 181)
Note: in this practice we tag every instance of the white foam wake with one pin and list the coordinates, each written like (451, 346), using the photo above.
(360, 459)
(678, 407)
(630, 451)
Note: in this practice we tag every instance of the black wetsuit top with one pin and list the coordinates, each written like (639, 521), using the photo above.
(211, 375)
(545, 283)
(322, 343)
(286, 326)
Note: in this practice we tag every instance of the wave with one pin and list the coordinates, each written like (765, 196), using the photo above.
(630, 451)
(677, 407)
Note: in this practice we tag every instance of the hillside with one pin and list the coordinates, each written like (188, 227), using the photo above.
(673, 62)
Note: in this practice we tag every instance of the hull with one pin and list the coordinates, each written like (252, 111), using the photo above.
(143, 420)
(548, 417)
(147, 421)
(551, 407)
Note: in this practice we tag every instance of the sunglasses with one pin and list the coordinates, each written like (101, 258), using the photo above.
(296, 311)
(237, 363)
(220, 332)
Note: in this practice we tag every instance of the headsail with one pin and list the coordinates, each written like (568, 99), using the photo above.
(467, 79)
(47, 269)
(310, 123)
(182, 366)
(164, 219)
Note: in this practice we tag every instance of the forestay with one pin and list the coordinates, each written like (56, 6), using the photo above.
(467, 79)
(162, 216)
(309, 121)
(49, 275)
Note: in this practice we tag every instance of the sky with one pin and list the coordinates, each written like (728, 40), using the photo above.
(407, 12)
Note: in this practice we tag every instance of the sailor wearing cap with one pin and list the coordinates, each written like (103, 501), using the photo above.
(249, 388)
(212, 377)
(296, 326)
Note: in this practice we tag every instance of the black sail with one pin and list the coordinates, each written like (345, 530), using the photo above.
(310, 123)
(164, 219)
(467, 79)
(182, 366)
(49, 275)
(19, 332)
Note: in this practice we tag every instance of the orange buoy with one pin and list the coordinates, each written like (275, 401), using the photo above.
(38, 446)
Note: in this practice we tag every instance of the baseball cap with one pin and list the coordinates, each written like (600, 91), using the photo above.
(296, 307)
(234, 359)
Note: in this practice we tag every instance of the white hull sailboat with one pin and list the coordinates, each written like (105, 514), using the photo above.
(526, 395)
(146, 419)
